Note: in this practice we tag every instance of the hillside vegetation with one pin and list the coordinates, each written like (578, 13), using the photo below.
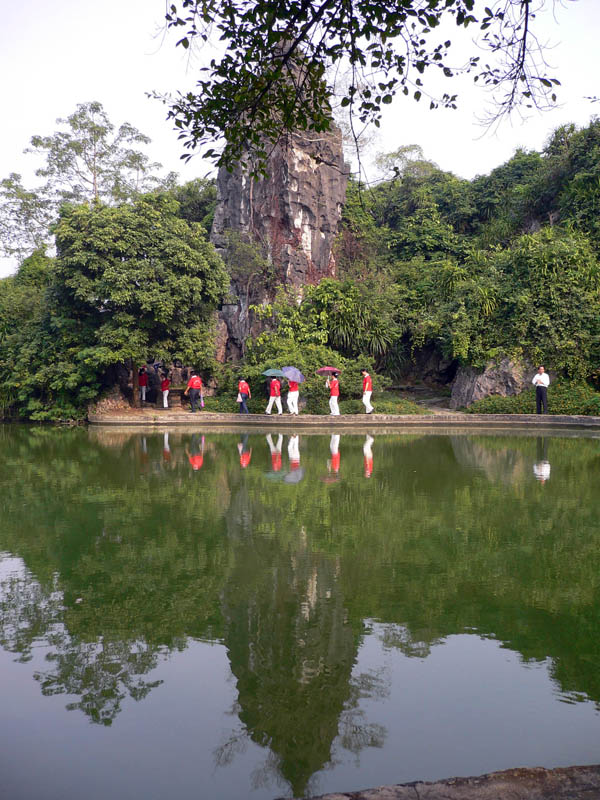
(428, 265)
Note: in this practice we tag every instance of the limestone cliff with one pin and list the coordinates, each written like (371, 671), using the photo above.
(292, 215)
(503, 378)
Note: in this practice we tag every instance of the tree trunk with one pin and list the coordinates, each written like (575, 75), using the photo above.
(135, 384)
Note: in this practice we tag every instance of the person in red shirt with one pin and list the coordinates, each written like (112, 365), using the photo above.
(143, 383)
(194, 389)
(275, 452)
(243, 395)
(367, 391)
(164, 387)
(334, 392)
(274, 396)
(292, 397)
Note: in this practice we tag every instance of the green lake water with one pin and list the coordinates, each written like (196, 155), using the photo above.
(228, 617)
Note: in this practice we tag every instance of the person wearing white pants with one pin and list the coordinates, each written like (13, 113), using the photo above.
(334, 392)
(367, 391)
(274, 397)
(164, 387)
(292, 397)
(143, 383)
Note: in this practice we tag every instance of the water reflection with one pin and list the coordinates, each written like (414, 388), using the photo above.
(128, 557)
(245, 451)
(195, 452)
(275, 450)
(296, 473)
(368, 455)
(541, 466)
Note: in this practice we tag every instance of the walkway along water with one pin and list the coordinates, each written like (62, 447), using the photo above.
(153, 417)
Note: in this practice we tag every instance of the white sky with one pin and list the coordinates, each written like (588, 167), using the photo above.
(56, 54)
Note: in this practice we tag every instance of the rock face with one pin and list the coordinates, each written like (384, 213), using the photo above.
(504, 378)
(292, 215)
(534, 783)
(431, 367)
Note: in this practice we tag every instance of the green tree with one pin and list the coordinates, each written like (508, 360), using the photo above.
(128, 282)
(197, 200)
(273, 76)
(87, 159)
(25, 218)
(422, 232)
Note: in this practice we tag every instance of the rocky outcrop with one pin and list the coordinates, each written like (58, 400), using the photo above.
(113, 400)
(535, 783)
(504, 378)
(291, 215)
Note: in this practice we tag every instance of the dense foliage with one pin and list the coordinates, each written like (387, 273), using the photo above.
(128, 283)
(462, 272)
(432, 269)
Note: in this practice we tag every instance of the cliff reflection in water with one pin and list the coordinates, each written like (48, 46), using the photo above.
(134, 544)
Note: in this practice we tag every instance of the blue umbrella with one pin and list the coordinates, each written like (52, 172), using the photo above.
(293, 374)
(273, 373)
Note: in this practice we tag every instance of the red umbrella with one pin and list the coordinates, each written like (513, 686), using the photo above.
(327, 370)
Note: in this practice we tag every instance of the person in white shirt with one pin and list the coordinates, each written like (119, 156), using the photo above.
(541, 381)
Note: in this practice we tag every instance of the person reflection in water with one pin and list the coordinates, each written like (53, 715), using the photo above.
(541, 467)
(144, 456)
(196, 454)
(368, 456)
(244, 451)
(294, 452)
(166, 448)
(333, 464)
(275, 452)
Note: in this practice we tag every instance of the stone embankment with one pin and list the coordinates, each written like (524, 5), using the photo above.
(204, 419)
(565, 783)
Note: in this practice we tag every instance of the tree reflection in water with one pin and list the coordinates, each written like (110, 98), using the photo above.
(129, 555)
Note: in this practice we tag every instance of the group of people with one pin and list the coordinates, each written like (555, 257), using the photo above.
(165, 384)
(332, 383)
(194, 388)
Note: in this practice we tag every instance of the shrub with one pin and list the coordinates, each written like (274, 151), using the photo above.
(564, 397)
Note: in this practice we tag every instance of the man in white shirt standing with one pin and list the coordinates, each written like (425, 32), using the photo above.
(541, 381)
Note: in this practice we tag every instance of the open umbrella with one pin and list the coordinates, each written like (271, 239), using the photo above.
(327, 370)
(273, 373)
(294, 476)
(293, 374)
